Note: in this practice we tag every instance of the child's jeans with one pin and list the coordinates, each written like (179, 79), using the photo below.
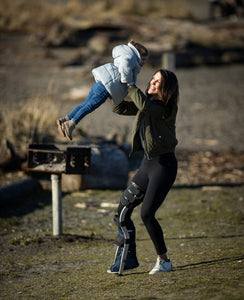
(97, 96)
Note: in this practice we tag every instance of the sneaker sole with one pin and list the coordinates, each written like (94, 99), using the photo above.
(110, 272)
(117, 272)
(156, 272)
(60, 130)
(67, 134)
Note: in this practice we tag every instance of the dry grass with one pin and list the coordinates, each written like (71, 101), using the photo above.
(158, 8)
(26, 15)
(203, 231)
(30, 123)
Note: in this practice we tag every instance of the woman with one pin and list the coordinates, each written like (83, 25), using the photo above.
(154, 133)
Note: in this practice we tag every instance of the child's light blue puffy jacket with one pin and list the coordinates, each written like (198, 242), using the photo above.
(115, 76)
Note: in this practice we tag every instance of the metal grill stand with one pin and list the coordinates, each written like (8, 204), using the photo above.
(57, 204)
(55, 161)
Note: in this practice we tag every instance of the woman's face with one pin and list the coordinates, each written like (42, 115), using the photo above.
(155, 86)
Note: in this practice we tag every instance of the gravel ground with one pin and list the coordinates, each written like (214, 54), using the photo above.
(203, 230)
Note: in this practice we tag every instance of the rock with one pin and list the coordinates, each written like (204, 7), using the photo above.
(71, 182)
(109, 169)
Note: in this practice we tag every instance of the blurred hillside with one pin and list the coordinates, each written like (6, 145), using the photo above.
(183, 27)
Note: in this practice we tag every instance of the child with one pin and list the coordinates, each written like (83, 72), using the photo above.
(112, 81)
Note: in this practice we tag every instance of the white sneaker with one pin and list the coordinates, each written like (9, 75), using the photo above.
(162, 266)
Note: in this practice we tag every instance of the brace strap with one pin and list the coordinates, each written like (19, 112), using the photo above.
(131, 195)
(119, 240)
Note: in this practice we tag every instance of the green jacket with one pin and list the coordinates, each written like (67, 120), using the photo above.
(150, 125)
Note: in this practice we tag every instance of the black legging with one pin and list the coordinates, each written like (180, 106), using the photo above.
(156, 177)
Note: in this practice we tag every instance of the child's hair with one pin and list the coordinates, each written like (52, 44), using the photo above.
(169, 91)
(141, 49)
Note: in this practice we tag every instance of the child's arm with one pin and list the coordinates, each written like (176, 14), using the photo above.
(125, 71)
(128, 71)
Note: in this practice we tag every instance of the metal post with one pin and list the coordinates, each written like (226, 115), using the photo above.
(168, 61)
(56, 204)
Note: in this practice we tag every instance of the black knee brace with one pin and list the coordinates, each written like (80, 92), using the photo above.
(132, 196)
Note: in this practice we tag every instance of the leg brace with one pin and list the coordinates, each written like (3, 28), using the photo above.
(131, 197)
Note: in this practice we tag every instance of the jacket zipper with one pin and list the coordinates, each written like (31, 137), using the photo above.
(144, 144)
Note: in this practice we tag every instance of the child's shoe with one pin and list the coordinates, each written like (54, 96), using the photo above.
(162, 266)
(68, 128)
(60, 125)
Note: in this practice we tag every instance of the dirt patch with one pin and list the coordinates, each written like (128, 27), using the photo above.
(203, 230)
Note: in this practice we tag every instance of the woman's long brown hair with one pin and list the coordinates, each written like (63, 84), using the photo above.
(169, 90)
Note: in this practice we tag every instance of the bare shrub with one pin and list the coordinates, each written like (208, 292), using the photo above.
(24, 15)
(156, 8)
(33, 122)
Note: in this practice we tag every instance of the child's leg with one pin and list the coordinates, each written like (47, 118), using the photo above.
(75, 111)
(97, 96)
